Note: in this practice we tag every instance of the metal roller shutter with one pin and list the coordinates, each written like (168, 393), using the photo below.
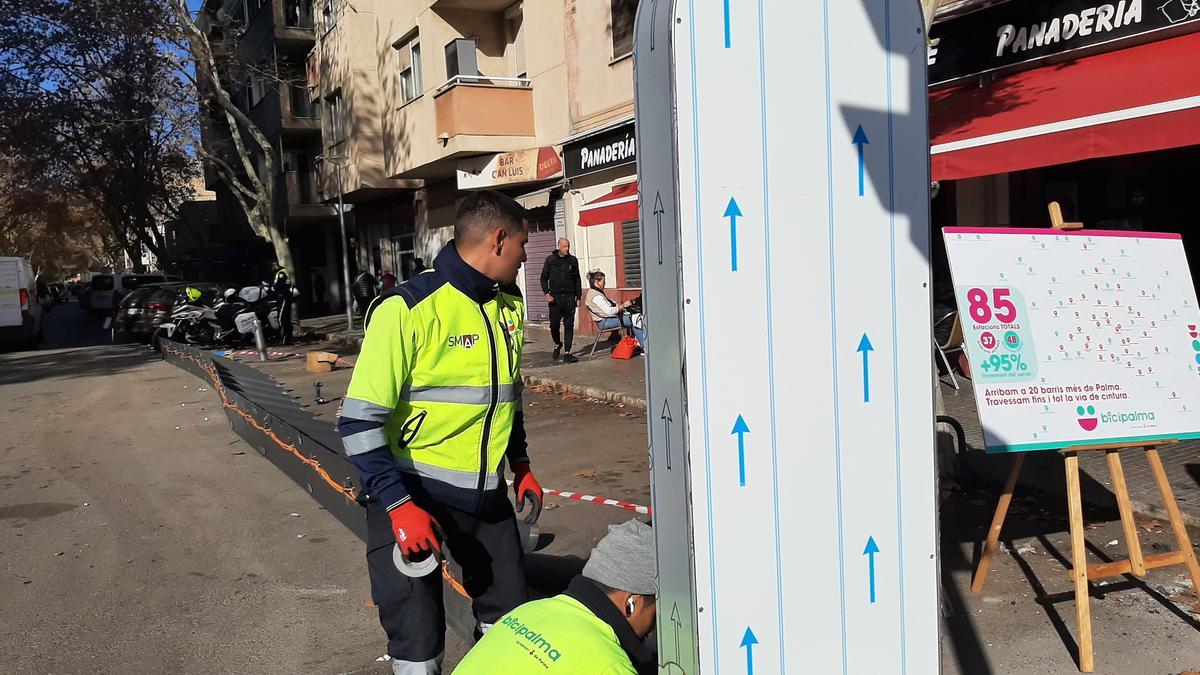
(631, 249)
(542, 242)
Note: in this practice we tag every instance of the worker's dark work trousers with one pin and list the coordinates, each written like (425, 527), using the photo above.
(486, 546)
(563, 310)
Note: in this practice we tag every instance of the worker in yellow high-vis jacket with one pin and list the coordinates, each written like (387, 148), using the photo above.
(431, 418)
(598, 626)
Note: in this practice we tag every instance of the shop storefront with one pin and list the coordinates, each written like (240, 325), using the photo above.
(386, 236)
(1093, 105)
(602, 208)
(534, 178)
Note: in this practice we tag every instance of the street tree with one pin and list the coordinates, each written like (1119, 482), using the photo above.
(90, 92)
(58, 233)
(249, 170)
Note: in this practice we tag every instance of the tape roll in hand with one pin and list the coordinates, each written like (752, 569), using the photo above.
(424, 566)
(417, 569)
(527, 527)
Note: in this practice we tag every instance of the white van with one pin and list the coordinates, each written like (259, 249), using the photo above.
(106, 290)
(20, 307)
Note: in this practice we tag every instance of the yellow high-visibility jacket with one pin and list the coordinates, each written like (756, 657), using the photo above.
(435, 399)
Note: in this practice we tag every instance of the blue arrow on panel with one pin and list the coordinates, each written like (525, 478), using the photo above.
(860, 139)
(740, 428)
(726, 24)
(870, 552)
(748, 641)
(864, 346)
(732, 212)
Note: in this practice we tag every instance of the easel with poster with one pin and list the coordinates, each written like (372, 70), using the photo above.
(1081, 342)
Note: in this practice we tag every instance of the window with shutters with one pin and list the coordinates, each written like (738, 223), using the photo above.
(631, 250)
(515, 26)
(256, 89)
(623, 12)
(329, 14)
(409, 52)
(335, 118)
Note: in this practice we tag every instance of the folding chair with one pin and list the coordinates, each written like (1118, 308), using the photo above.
(600, 332)
(954, 343)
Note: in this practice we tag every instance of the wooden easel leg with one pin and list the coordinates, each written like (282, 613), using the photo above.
(993, 538)
(1181, 536)
(1083, 613)
(1132, 543)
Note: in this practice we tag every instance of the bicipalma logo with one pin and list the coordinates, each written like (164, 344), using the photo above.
(465, 341)
(535, 638)
(1126, 417)
(1088, 420)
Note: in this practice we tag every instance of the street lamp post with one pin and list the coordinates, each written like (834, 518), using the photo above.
(338, 161)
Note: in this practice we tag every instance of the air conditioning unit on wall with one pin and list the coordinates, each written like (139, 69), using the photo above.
(461, 58)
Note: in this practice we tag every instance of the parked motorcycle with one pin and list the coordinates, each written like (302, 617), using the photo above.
(228, 322)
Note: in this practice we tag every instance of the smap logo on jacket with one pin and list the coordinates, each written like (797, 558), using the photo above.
(464, 341)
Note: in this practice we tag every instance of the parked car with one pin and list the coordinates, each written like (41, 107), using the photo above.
(58, 293)
(131, 307)
(105, 291)
(20, 308)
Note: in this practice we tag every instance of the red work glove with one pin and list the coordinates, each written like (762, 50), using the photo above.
(524, 484)
(413, 529)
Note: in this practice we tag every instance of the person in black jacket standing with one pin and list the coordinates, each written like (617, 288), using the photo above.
(364, 291)
(561, 284)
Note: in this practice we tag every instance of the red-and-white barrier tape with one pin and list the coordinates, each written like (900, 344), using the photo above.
(628, 506)
(251, 352)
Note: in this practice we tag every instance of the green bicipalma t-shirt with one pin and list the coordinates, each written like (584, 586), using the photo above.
(555, 635)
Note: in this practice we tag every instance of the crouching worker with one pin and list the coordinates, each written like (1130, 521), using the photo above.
(597, 627)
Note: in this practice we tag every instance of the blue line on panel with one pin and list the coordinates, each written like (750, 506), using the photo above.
(762, 76)
(726, 24)
(837, 419)
(887, 31)
(712, 562)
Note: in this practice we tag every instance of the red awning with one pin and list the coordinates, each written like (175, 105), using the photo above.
(1121, 102)
(615, 207)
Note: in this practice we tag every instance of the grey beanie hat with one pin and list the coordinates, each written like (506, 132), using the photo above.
(625, 559)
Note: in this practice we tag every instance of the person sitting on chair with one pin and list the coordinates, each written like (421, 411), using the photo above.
(609, 314)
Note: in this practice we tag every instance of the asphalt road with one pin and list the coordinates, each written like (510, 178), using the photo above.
(138, 534)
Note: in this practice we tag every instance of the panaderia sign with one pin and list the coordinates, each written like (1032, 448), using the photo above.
(1020, 31)
(606, 150)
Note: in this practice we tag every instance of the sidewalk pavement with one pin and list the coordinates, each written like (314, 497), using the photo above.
(593, 376)
(623, 382)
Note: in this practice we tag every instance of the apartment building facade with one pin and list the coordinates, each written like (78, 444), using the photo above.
(266, 42)
(482, 94)
(476, 99)
(404, 106)
(600, 154)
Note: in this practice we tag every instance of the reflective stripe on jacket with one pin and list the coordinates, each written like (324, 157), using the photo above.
(435, 398)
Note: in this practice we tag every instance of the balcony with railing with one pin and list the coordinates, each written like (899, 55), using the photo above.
(298, 14)
(297, 189)
(294, 27)
(300, 114)
(475, 105)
